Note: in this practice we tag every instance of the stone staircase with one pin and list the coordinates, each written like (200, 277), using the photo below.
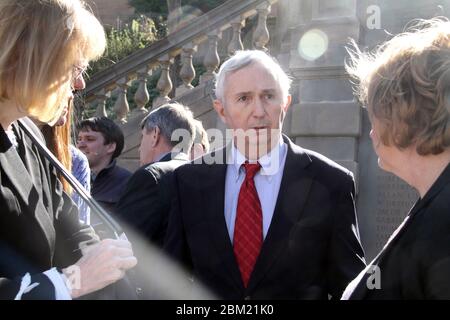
(205, 31)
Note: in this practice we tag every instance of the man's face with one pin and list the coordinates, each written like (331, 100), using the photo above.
(254, 103)
(92, 144)
(146, 153)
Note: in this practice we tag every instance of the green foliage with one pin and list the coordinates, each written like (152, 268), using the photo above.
(122, 42)
(160, 7)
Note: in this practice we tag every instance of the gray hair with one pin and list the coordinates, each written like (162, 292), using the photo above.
(242, 59)
(172, 118)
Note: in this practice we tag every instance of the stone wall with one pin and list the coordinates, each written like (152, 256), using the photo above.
(110, 11)
(325, 117)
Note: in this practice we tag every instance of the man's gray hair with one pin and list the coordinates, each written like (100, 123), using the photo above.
(175, 122)
(242, 59)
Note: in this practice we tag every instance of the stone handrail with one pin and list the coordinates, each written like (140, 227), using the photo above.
(183, 42)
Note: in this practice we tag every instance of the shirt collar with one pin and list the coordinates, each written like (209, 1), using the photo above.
(161, 156)
(270, 162)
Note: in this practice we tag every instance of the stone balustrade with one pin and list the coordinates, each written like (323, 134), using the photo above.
(137, 67)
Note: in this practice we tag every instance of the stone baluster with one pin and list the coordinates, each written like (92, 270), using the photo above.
(212, 59)
(101, 98)
(187, 72)
(121, 107)
(236, 43)
(164, 85)
(141, 97)
(261, 34)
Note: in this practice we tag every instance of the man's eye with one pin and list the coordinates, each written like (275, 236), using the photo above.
(243, 98)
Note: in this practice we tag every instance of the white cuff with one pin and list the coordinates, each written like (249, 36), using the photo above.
(25, 286)
(58, 280)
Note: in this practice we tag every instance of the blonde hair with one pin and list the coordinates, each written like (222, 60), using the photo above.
(405, 85)
(41, 41)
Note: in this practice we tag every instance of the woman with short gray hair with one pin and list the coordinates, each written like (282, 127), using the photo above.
(406, 88)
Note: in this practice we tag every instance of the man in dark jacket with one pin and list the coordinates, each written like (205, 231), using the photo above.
(145, 202)
(143, 208)
(102, 141)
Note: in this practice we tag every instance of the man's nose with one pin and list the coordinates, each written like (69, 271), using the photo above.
(258, 108)
(80, 144)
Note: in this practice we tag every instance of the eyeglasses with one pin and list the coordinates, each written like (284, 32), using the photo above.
(77, 72)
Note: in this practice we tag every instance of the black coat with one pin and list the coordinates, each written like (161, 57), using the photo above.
(145, 203)
(143, 210)
(312, 248)
(415, 263)
(39, 226)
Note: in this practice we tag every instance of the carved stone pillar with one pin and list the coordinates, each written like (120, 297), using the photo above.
(261, 34)
(141, 97)
(101, 98)
(212, 59)
(236, 42)
(187, 72)
(121, 107)
(164, 85)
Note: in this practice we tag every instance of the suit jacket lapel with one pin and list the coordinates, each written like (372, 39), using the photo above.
(213, 200)
(13, 167)
(22, 182)
(294, 190)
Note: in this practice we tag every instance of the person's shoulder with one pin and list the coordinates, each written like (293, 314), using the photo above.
(437, 209)
(326, 163)
(204, 163)
(25, 121)
(121, 172)
(170, 165)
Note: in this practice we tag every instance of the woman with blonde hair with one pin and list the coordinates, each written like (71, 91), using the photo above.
(46, 45)
(405, 85)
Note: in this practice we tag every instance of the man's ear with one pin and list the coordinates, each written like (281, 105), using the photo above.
(111, 147)
(288, 103)
(156, 132)
(285, 107)
(218, 105)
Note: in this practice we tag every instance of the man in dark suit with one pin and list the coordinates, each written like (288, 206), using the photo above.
(145, 202)
(263, 218)
(144, 206)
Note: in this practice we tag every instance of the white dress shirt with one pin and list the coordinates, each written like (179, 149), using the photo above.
(267, 183)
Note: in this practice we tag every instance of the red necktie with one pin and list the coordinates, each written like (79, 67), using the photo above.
(248, 227)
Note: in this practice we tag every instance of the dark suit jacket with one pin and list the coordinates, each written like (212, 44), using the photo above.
(415, 264)
(143, 209)
(39, 226)
(145, 203)
(312, 248)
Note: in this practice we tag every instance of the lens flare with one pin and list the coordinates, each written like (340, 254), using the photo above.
(313, 44)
